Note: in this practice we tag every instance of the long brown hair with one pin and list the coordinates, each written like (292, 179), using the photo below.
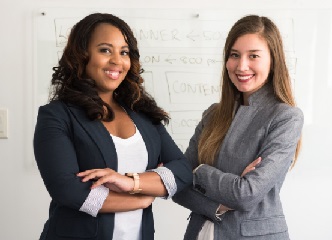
(70, 83)
(220, 117)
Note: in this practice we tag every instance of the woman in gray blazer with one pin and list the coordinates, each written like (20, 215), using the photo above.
(234, 196)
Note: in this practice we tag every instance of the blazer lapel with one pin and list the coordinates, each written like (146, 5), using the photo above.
(238, 126)
(98, 133)
(244, 118)
(246, 114)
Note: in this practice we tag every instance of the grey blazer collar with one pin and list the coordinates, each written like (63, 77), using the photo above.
(262, 95)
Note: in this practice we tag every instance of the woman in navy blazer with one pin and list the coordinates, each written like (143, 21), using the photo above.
(100, 119)
(255, 121)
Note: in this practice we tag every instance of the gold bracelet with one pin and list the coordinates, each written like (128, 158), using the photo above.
(136, 188)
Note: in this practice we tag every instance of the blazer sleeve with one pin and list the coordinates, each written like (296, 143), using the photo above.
(277, 152)
(173, 159)
(56, 158)
(190, 198)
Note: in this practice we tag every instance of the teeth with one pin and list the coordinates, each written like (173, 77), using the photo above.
(113, 74)
(244, 77)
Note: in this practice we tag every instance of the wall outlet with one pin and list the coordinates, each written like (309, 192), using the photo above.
(3, 123)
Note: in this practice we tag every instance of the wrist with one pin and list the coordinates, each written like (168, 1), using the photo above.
(135, 177)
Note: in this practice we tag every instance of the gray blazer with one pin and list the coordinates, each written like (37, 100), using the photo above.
(266, 128)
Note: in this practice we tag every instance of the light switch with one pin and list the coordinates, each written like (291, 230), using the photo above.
(3, 123)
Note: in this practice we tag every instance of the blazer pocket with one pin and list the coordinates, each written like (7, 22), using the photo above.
(263, 226)
(76, 225)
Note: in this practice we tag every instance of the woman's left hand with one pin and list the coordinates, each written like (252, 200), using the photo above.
(251, 166)
(109, 178)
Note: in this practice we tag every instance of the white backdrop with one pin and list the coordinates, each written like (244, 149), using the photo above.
(181, 53)
(26, 67)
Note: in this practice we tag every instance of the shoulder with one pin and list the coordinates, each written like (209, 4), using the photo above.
(204, 121)
(284, 110)
(271, 108)
(55, 105)
(61, 108)
(209, 111)
(286, 115)
(54, 110)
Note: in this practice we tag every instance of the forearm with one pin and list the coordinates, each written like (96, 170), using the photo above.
(123, 202)
(233, 191)
(152, 184)
(197, 203)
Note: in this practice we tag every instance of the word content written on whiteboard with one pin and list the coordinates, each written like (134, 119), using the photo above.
(181, 54)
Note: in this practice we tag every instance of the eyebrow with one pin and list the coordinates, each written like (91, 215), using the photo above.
(111, 45)
(253, 50)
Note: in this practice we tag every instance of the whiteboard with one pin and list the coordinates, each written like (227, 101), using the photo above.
(181, 53)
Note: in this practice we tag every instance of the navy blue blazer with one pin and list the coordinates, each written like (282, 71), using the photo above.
(66, 142)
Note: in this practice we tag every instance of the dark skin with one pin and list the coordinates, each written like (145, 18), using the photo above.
(108, 65)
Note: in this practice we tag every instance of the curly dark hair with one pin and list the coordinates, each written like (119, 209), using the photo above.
(70, 83)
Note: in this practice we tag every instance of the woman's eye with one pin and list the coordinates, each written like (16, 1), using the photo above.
(104, 50)
(234, 55)
(125, 53)
(254, 56)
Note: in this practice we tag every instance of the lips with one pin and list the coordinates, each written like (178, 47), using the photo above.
(245, 78)
(113, 74)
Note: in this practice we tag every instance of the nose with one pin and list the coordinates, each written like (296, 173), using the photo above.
(243, 64)
(115, 58)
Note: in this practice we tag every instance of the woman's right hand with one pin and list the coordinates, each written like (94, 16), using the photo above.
(109, 178)
(251, 166)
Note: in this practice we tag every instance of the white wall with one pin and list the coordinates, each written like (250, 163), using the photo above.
(307, 194)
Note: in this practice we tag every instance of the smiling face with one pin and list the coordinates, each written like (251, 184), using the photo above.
(249, 64)
(109, 60)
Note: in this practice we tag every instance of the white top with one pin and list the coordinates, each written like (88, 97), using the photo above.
(128, 225)
(132, 157)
